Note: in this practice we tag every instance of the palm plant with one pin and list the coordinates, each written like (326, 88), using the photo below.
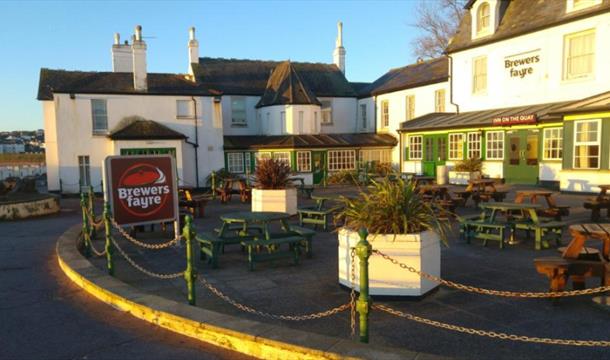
(272, 174)
(392, 207)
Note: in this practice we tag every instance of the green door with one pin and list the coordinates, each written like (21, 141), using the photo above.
(435, 153)
(521, 160)
(318, 159)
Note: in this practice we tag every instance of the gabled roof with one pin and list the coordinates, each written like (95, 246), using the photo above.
(600, 102)
(309, 141)
(285, 87)
(91, 82)
(360, 87)
(449, 121)
(249, 77)
(521, 17)
(410, 76)
(145, 130)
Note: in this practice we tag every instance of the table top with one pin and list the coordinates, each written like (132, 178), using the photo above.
(600, 230)
(248, 216)
(423, 177)
(534, 192)
(508, 206)
(432, 187)
(482, 181)
(604, 187)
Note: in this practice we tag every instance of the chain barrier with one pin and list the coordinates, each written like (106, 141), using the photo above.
(143, 244)
(143, 270)
(491, 334)
(95, 251)
(502, 293)
(91, 216)
(250, 310)
(352, 294)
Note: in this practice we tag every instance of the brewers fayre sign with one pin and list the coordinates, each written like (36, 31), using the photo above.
(515, 119)
(141, 189)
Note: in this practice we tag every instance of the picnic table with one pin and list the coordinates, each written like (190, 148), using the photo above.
(596, 205)
(420, 180)
(320, 213)
(228, 188)
(552, 210)
(440, 195)
(195, 204)
(482, 190)
(578, 262)
(306, 190)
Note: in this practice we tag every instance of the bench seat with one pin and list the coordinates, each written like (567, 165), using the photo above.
(274, 249)
(210, 247)
(307, 235)
(315, 216)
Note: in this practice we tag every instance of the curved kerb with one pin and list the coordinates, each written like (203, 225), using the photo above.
(245, 336)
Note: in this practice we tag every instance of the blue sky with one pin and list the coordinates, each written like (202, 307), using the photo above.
(78, 36)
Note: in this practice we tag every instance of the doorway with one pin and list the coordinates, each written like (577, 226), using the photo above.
(435, 153)
(318, 159)
(521, 165)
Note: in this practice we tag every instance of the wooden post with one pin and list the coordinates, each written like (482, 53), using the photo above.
(189, 273)
(213, 185)
(109, 246)
(364, 250)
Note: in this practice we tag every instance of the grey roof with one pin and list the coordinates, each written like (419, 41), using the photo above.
(145, 130)
(410, 76)
(91, 82)
(361, 88)
(309, 141)
(520, 17)
(437, 121)
(249, 77)
(599, 102)
(286, 87)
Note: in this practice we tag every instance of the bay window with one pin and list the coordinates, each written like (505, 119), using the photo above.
(341, 160)
(456, 146)
(304, 161)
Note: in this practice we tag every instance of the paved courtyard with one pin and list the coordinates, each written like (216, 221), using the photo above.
(312, 286)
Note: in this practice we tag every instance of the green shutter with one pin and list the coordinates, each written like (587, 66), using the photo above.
(568, 144)
(605, 144)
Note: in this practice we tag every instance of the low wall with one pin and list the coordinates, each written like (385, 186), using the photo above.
(37, 205)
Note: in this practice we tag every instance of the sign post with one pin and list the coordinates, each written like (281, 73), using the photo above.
(142, 189)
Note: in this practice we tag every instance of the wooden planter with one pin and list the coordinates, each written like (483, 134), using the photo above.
(421, 251)
(275, 200)
(462, 177)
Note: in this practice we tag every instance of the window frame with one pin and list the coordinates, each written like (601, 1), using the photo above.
(288, 160)
(587, 143)
(479, 29)
(470, 141)
(299, 163)
(332, 166)
(363, 116)
(191, 113)
(459, 148)
(490, 149)
(439, 101)
(566, 76)
(240, 161)
(84, 170)
(558, 148)
(419, 150)
(326, 108)
(385, 155)
(385, 113)
(570, 5)
(237, 99)
(409, 107)
(95, 130)
(475, 76)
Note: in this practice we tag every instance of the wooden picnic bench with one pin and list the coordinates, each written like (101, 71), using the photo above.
(576, 263)
(210, 247)
(307, 235)
(317, 214)
(306, 190)
(599, 203)
(274, 249)
(552, 210)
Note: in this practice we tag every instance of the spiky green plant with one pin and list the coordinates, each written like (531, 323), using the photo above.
(272, 174)
(392, 207)
(221, 175)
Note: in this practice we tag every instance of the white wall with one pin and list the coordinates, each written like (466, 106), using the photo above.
(271, 119)
(545, 83)
(252, 126)
(51, 150)
(370, 115)
(344, 116)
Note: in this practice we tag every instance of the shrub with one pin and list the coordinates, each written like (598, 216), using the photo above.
(221, 175)
(272, 174)
(392, 207)
(469, 165)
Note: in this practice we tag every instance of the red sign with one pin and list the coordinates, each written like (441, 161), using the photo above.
(141, 189)
(515, 119)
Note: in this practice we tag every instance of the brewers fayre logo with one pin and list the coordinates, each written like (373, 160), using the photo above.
(142, 187)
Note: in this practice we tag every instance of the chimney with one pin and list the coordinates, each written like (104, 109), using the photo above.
(339, 53)
(193, 50)
(139, 61)
(121, 55)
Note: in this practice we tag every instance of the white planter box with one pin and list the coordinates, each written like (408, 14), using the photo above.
(462, 177)
(275, 200)
(421, 251)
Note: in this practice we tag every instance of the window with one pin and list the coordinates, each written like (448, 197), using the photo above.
(248, 161)
(474, 145)
(456, 146)
(363, 115)
(84, 170)
(238, 111)
(439, 100)
(385, 113)
(282, 122)
(586, 144)
(410, 107)
(483, 19)
(415, 147)
(303, 161)
(235, 163)
(301, 123)
(379, 156)
(327, 112)
(479, 75)
(262, 156)
(341, 160)
(184, 109)
(282, 156)
(579, 55)
(495, 145)
(99, 115)
(315, 122)
(575, 5)
(553, 144)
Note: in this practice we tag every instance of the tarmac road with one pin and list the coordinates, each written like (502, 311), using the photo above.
(44, 316)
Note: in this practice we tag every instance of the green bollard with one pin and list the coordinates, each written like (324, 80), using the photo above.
(213, 185)
(109, 247)
(189, 273)
(86, 240)
(363, 305)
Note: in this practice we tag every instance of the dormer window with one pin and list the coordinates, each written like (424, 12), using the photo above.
(575, 5)
(483, 18)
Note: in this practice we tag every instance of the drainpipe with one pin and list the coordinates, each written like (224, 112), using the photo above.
(457, 107)
(196, 143)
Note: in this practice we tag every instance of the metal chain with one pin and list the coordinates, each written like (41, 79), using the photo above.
(91, 216)
(352, 295)
(250, 310)
(142, 244)
(491, 334)
(95, 251)
(147, 272)
(502, 293)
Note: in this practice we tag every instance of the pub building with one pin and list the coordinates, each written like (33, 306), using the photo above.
(531, 91)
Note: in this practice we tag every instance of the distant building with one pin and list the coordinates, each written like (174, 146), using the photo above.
(11, 147)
